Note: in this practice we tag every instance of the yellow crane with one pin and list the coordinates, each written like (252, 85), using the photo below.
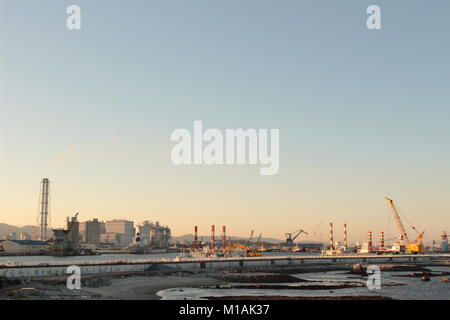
(249, 252)
(414, 247)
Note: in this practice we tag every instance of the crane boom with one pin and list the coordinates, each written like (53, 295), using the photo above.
(73, 221)
(291, 236)
(298, 233)
(398, 221)
(317, 228)
(251, 237)
(250, 252)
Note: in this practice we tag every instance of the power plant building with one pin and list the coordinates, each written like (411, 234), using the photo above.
(119, 232)
(68, 238)
(90, 231)
(73, 226)
(154, 234)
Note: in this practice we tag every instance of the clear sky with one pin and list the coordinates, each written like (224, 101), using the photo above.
(362, 114)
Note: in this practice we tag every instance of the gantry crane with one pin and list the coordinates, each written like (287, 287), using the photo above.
(291, 236)
(251, 238)
(414, 247)
(259, 239)
(318, 237)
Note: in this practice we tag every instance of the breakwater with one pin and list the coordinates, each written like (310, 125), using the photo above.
(58, 268)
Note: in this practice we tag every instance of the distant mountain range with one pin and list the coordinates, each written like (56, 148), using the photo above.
(190, 238)
(6, 229)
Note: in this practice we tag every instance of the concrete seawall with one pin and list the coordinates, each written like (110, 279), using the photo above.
(29, 270)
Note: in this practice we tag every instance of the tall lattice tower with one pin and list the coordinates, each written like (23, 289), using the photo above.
(44, 210)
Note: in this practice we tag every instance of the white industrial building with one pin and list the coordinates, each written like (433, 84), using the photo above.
(119, 232)
(23, 247)
(154, 234)
(90, 231)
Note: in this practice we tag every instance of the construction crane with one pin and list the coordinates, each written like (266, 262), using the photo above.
(249, 252)
(73, 221)
(316, 231)
(414, 247)
(251, 237)
(65, 241)
(291, 236)
(259, 239)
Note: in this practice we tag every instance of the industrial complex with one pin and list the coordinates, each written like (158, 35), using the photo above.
(123, 236)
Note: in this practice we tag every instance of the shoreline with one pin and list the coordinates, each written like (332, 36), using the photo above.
(145, 286)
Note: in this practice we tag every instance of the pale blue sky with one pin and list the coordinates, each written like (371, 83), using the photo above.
(362, 114)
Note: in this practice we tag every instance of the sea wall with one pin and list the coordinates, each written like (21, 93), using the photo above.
(197, 265)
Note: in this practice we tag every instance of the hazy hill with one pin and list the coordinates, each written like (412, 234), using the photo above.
(6, 229)
(190, 238)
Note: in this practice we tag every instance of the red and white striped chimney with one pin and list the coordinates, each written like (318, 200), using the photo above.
(331, 236)
(382, 239)
(345, 234)
(369, 240)
(213, 239)
(195, 237)
(224, 237)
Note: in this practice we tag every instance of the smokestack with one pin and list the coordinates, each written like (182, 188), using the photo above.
(369, 240)
(44, 209)
(345, 234)
(382, 239)
(213, 239)
(331, 236)
(195, 237)
(224, 237)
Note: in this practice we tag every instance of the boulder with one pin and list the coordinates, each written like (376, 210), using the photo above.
(360, 269)
(425, 278)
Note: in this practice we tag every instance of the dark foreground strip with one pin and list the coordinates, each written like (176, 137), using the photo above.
(222, 309)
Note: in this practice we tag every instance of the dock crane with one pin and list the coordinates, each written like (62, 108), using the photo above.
(73, 221)
(316, 231)
(259, 239)
(291, 236)
(414, 247)
(251, 238)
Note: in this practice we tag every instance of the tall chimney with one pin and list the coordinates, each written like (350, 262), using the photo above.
(331, 236)
(345, 235)
(382, 239)
(44, 210)
(213, 239)
(369, 240)
(224, 237)
(195, 237)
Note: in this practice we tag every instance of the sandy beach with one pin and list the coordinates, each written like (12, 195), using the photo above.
(146, 288)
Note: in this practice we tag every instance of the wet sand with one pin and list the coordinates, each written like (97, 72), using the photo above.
(146, 288)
